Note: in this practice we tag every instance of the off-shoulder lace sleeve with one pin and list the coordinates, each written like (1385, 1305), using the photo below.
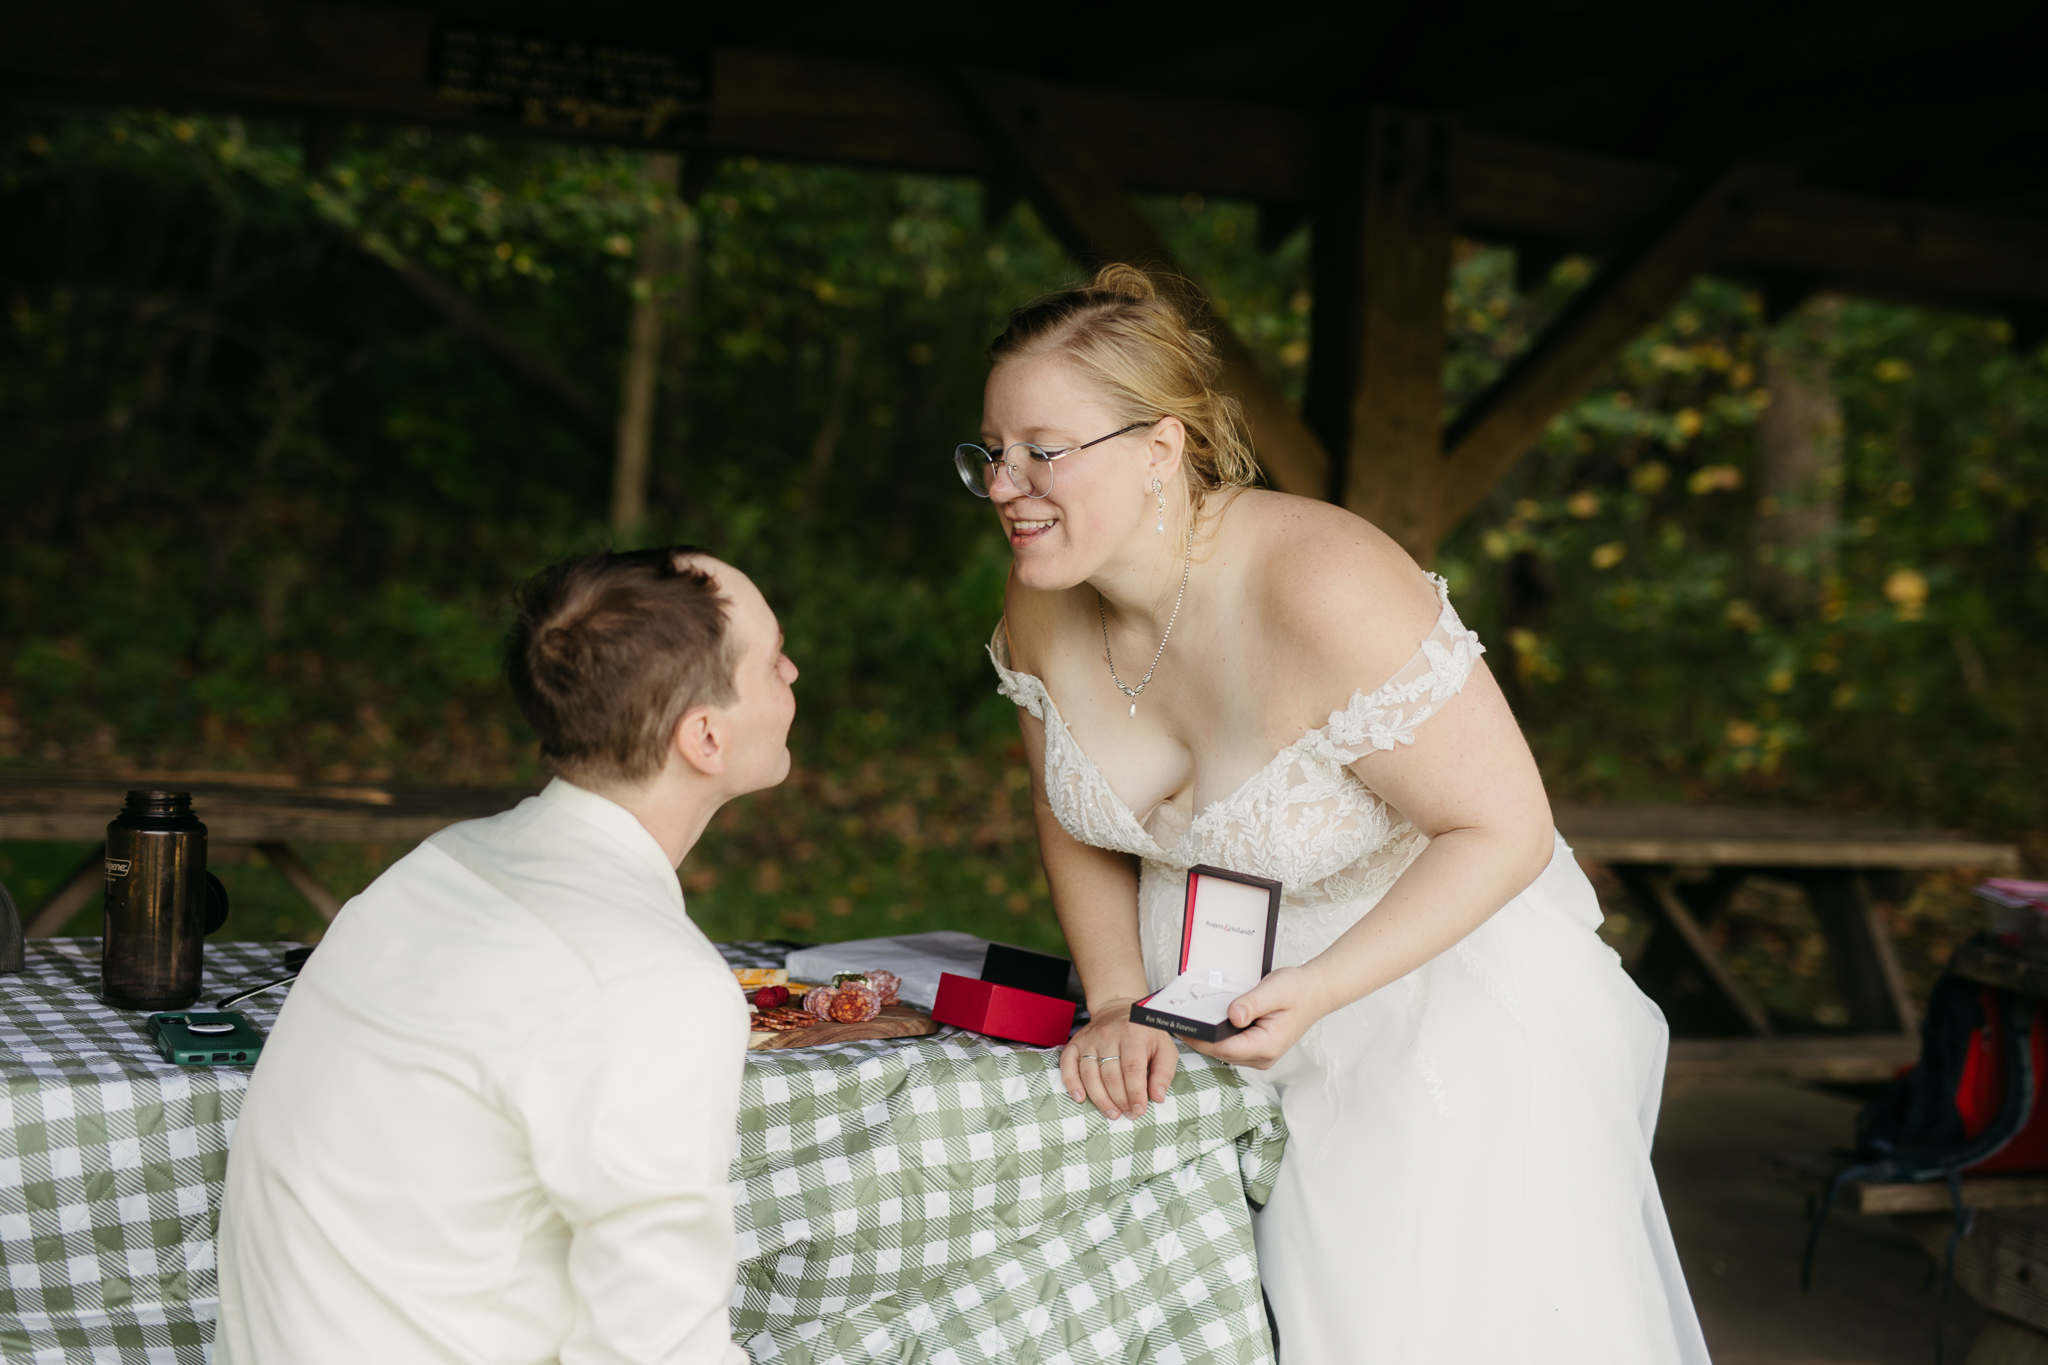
(1390, 713)
(1022, 688)
(1081, 797)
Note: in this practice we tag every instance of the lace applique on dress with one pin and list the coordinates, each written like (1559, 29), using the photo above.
(1304, 819)
(1391, 713)
(1081, 797)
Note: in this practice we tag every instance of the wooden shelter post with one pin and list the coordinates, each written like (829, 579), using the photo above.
(1633, 290)
(1382, 261)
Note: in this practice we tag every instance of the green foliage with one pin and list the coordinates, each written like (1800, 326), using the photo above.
(269, 505)
(266, 505)
(1659, 665)
(272, 504)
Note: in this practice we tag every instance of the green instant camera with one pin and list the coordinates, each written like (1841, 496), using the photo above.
(206, 1037)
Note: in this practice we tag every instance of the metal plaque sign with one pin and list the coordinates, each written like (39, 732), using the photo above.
(574, 84)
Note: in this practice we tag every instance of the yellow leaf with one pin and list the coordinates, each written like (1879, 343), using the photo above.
(1714, 478)
(1906, 590)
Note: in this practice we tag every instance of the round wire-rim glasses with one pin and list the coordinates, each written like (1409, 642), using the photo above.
(1034, 478)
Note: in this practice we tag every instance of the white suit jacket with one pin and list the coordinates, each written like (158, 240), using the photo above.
(494, 1120)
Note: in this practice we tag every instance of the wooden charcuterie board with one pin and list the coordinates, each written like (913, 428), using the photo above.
(895, 1021)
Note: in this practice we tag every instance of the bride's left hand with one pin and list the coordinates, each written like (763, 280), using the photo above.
(1273, 1016)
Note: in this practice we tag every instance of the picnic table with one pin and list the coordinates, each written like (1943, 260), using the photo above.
(936, 1195)
(1682, 865)
(241, 811)
(2003, 1261)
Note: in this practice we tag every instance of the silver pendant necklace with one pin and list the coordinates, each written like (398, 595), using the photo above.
(1102, 614)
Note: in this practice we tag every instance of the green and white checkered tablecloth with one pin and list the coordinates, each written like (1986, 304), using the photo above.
(111, 1163)
(935, 1199)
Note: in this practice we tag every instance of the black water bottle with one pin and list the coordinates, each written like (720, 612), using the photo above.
(161, 903)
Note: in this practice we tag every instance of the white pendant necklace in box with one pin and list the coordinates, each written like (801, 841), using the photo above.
(1102, 613)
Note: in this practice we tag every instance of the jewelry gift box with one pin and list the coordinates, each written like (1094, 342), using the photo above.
(1019, 997)
(1226, 948)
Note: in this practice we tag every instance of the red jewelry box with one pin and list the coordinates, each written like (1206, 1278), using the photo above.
(1226, 948)
(1003, 1011)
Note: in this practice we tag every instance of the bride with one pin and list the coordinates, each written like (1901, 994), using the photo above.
(1212, 673)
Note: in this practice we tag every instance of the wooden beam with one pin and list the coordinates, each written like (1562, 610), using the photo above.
(1630, 293)
(1867, 971)
(1509, 189)
(374, 64)
(2000, 967)
(1653, 891)
(1662, 959)
(1088, 211)
(55, 912)
(303, 879)
(1770, 836)
(238, 810)
(1811, 1173)
(1907, 252)
(534, 371)
(1996, 1264)
(1382, 263)
(1912, 253)
(1829, 1057)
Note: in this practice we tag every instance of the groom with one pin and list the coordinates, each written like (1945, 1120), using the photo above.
(494, 1118)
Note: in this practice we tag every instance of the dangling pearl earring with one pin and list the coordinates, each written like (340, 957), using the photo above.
(1160, 489)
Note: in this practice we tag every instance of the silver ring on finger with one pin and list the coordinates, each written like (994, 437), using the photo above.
(1111, 1058)
(1090, 1057)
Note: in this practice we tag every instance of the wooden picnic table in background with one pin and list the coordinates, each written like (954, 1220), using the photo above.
(2002, 1262)
(240, 810)
(1682, 865)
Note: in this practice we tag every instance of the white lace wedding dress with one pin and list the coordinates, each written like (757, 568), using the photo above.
(1467, 1179)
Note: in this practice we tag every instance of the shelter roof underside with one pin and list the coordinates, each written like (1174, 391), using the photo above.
(1912, 137)
(1933, 102)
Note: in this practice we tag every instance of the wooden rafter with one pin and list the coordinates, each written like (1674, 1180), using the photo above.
(1653, 890)
(1630, 294)
(525, 364)
(1085, 207)
(354, 61)
(1382, 263)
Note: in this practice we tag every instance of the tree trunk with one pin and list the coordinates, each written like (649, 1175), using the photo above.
(532, 370)
(1799, 461)
(643, 358)
(679, 362)
(826, 444)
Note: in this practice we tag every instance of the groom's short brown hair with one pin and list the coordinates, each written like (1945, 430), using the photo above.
(609, 651)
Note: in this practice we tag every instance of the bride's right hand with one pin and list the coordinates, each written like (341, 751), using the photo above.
(1118, 1065)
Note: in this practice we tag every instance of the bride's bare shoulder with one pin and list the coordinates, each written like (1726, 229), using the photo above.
(1335, 591)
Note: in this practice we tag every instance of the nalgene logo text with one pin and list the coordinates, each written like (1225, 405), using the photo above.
(117, 867)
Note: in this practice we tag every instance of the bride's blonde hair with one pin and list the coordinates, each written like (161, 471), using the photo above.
(1123, 333)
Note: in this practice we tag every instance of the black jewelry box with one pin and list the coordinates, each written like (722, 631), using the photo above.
(1226, 948)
